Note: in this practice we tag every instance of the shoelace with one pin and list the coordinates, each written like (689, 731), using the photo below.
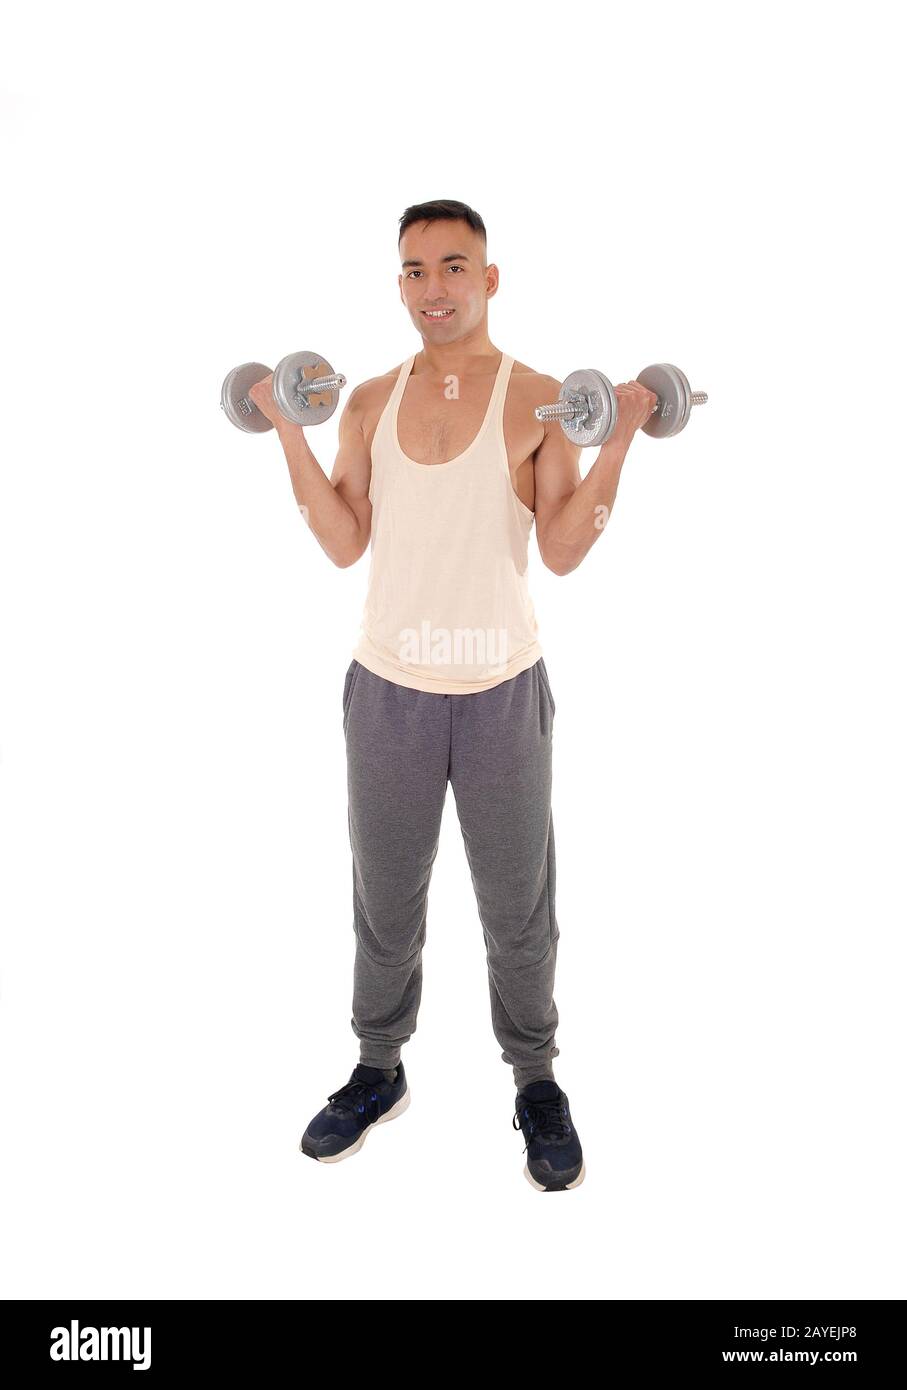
(546, 1119)
(357, 1096)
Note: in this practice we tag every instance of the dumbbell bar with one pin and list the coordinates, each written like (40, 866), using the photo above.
(587, 405)
(292, 389)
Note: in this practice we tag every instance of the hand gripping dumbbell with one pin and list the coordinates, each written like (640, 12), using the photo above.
(587, 405)
(306, 389)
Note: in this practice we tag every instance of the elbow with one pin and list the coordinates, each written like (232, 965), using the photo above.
(556, 557)
(343, 556)
(346, 559)
(557, 565)
(343, 562)
(341, 559)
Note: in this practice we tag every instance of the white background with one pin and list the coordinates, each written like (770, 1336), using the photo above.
(193, 186)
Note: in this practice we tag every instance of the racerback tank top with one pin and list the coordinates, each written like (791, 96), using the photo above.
(447, 608)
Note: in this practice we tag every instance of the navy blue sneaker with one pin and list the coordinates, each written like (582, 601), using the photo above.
(367, 1099)
(555, 1156)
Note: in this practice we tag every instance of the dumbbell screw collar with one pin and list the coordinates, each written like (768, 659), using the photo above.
(315, 385)
(574, 408)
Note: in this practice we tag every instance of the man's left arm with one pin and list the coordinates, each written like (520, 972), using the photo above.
(570, 514)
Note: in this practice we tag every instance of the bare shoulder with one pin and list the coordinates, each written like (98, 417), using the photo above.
(368, 399)
(530, 388)
(535, 384)
(374, 387)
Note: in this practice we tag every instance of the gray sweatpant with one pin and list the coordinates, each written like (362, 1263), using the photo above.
(494, 747)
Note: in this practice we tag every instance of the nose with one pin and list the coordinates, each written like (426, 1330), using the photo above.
(434, 292)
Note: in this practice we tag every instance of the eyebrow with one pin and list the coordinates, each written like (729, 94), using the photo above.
(453, 256)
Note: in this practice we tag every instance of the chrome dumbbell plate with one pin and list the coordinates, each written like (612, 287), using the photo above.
(675, 399)
(290, 376)
(595, 407)
(234, 398)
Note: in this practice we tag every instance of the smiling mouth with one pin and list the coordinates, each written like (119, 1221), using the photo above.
(436, 314)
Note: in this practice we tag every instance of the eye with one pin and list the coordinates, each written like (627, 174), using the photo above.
(411, 273)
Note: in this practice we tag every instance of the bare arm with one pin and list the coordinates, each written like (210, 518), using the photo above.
(570, 514)
(337, 511)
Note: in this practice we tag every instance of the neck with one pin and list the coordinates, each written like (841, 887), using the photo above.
(473, 353)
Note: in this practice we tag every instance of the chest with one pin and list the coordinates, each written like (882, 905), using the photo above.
(436, 423)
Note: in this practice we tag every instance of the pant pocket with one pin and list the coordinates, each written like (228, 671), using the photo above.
(348, 684)
(543, 676)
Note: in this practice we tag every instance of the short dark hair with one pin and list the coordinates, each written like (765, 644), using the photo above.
(441, 209)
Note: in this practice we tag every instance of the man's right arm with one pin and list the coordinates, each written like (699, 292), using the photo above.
(337, 511)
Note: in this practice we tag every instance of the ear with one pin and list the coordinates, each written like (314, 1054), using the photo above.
(491, 280)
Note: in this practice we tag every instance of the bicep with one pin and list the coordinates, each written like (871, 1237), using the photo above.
(557, 476)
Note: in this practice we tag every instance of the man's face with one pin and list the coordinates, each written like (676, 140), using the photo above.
(443, 267)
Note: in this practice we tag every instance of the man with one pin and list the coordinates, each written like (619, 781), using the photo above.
(443, 467)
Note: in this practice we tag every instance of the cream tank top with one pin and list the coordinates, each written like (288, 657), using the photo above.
(447, 608)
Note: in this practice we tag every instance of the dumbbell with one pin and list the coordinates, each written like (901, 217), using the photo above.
(298, 382)
(587, 404)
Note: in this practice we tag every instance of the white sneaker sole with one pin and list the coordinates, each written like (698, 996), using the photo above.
(540, 1187)
(392, 1114)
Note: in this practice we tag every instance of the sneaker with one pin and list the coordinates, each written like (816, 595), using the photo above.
(555, 1156)
(367, 1099)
